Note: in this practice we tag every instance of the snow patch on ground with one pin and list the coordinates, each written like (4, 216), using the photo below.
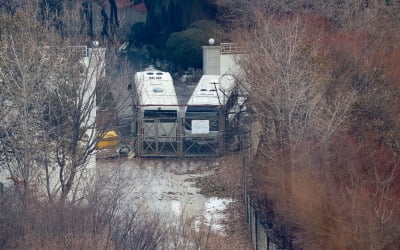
(214, 215)
(167, 188)
(163, 187)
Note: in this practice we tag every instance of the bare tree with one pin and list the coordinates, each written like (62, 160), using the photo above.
(11, 6)
(22, 80)
(51, 94)
(347, 14)
(320, 157)
(285, 82)
(114, 21)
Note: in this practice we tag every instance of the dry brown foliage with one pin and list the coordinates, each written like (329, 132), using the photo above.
(327, 100)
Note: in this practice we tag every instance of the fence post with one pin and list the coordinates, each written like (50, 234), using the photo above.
(256, 228)
(179, 135)
(245, 154)
(222, 130)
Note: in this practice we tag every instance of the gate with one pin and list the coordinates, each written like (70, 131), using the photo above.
(210, 144)
(174, 137)
(158, 137)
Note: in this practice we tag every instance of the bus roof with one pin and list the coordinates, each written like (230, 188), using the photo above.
(212, 90)
(155, 87)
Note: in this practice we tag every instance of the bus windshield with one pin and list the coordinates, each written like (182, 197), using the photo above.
(162, 115)
(202, 113)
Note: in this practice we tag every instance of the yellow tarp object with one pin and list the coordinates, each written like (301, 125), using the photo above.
(109, 140)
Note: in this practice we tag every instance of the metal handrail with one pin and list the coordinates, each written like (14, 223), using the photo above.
(230, 48)
(82, 50)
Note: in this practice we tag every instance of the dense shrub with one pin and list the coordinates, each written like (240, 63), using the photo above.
(184, 48)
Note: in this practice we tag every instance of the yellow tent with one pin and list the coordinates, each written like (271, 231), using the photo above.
(109, 140)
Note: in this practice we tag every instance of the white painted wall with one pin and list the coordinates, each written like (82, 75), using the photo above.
(211, 60)
(95, 63)
(228, 64)
(215, 63)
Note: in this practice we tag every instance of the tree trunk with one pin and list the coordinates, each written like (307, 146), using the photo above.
(104, 17)
(90, 20)
(114, 22)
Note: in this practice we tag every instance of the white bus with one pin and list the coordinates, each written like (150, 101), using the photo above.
(214, 98)
(157, 105)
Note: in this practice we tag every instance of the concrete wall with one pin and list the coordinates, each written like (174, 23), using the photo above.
(216, 63)
(228, 64)
(211, 60)
(258, 233)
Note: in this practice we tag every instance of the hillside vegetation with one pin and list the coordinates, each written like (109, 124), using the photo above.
(323, 79)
